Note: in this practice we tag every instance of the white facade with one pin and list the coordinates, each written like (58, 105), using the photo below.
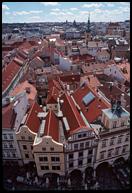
(81, 150)
(65, 63)
(114, 137)
(115, 72)
(10, 146)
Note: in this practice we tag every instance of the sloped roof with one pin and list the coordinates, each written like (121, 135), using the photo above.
(9, 73)
(32, 120)
(93, 110)
(52, 125)
(71, 113)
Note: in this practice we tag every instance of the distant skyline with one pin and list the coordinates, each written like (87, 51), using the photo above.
(20, 12)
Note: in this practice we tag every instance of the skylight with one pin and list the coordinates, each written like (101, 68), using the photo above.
(88, 98)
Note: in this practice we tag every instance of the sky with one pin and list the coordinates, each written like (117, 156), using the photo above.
(20, 12)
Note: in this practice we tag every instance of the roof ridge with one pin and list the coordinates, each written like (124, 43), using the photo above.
(73, 109)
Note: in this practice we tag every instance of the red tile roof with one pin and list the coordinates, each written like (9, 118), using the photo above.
(70, 78)
(82, 58)
(32, 120)
(9, 73)
(54, 83)
(26, 45)
(71, 113)
(52, 126)
(23, 86)
(53, 95)
(94, 108)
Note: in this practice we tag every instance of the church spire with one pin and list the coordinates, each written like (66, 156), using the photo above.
(88, 24)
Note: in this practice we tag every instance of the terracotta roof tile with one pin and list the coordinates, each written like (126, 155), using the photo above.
(93, 110)
(9, 73)
(70, 78)
(53, 95)
(52, 126)
(71, 113)
(32, 120)
(25, 86)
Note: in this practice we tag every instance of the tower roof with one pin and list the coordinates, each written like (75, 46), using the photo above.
(88, 24)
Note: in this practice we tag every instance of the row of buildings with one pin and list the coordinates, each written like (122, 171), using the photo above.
(58, 114)
(74, 131)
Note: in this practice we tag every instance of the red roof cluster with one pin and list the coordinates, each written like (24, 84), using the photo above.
(31, 90)
(93, 110)
(70, 78)
(32, 120)
(71, 113)
(54, 91)
(83, 58)
(52, 126)
(9, 73)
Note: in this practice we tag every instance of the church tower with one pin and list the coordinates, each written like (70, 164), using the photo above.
(88, 32)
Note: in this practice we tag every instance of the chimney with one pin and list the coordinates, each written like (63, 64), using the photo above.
(111, 86)
(123, 101)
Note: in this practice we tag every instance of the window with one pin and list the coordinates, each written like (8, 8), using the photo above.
(55, 159)
(71, 156)
(89, 160)
(117, 150)
(24, 147)
(124, 149)
(102, 155)
(114, 124)
(75, 146)
(55, 167)
(122, 123)
(90, 152)
(110, 152)
(115, 72)
(31, 147)
(71, 165)
(87, 144)
(80, 154)
(8, 154)
(112, 141)
(52, 148)
(127, 138)
(14, 155)
(81, 145)
(30, 138)
(5, 145)
(11, 136)
(26, 155)
(44, 167)
(43, 159)
(79, 135)
(119, 139)
(4, 136)
(43, 148)
(22, 137)
(80, 162)
(103, 143)
(11, 146)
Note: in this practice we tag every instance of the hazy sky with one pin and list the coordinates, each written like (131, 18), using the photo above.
(20, 12)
